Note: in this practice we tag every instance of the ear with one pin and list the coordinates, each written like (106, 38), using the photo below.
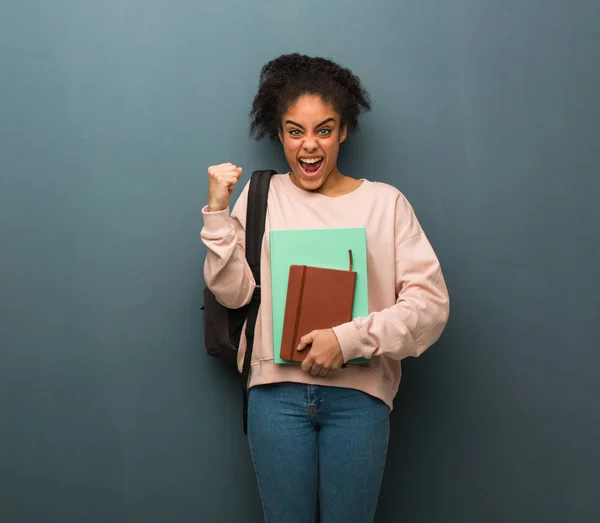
(280, 135)
(343, 133)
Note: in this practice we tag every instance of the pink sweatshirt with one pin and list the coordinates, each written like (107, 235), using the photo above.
(408, 299)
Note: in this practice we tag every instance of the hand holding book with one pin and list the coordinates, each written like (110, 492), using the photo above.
(325, 354)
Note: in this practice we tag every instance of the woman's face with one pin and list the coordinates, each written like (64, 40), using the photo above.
(311, 136)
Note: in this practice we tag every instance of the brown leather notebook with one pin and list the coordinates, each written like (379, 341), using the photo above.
(317, 298)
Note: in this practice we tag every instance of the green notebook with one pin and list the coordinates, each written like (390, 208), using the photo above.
(327, 248)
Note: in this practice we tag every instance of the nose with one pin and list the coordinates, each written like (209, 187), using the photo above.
(310, 144)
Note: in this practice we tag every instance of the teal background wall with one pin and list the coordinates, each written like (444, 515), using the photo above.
(486, 115)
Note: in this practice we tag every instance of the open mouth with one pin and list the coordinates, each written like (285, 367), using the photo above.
(311, 166)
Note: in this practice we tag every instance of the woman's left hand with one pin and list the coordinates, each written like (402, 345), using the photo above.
(325, 355)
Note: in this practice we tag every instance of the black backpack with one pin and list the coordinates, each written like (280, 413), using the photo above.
(223, 326)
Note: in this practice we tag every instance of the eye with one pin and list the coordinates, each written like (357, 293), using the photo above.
(324, 132)
(295, 132)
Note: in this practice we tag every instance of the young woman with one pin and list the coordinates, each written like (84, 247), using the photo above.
(322, 427)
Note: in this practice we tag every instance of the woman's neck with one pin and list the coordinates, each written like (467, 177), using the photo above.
(336, 184)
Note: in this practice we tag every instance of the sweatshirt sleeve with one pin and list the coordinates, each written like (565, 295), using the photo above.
(421, 312)
(226, 271)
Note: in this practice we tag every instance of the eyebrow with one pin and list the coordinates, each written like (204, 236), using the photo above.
(320, 125)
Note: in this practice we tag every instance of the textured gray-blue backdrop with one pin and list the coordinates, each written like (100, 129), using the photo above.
(485, 113)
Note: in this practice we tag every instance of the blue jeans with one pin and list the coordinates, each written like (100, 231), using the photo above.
(306, 439)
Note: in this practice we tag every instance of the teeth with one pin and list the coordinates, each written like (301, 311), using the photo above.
(311, 160)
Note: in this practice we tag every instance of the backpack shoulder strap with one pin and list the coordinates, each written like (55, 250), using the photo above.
(256, 214)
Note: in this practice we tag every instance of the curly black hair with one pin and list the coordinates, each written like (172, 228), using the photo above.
(284, 79)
